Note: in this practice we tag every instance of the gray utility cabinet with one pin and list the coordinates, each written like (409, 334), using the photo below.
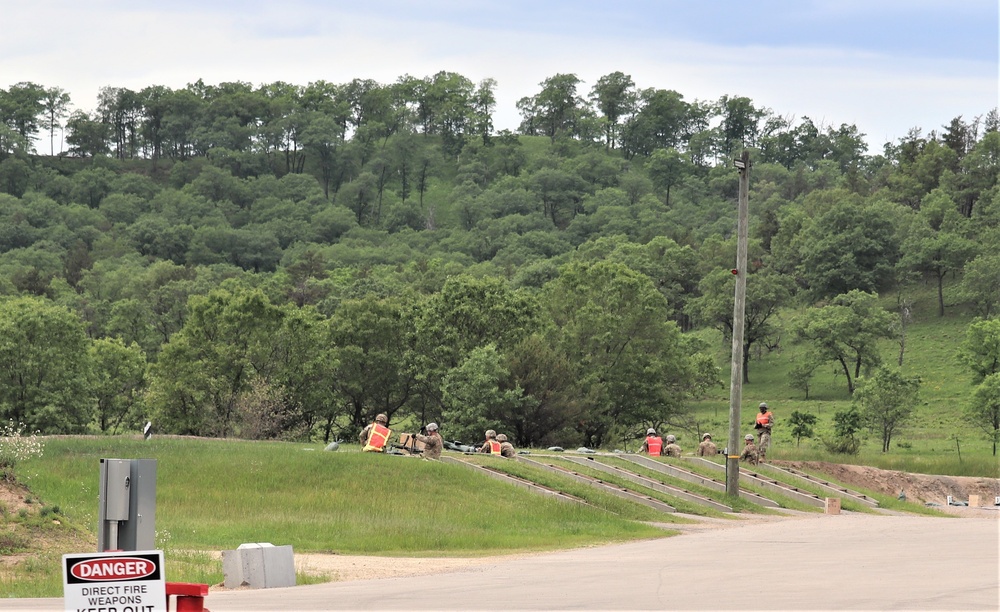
(127, 505)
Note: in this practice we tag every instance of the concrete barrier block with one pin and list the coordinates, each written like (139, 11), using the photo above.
(258, 566)
(832, 505)
(974, 501)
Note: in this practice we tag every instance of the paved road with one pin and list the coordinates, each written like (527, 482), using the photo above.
(824, 562)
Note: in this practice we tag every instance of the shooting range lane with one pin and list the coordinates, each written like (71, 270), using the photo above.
(847, 561)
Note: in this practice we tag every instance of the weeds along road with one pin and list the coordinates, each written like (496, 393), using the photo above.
(808, 562)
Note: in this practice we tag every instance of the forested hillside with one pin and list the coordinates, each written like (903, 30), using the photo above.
(286, 261)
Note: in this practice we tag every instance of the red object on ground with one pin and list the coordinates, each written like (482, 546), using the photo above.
(190, 596)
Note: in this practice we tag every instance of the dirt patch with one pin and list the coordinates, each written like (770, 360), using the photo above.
(13, 497)
(342, 568)
(918, 488)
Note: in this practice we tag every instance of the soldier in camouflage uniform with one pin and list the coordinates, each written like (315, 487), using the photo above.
(749, 451)
(707, 448)
(671, 449)
(490, 446)
(432, 442)
(506, 448)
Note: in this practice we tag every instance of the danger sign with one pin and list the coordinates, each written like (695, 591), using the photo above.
(124, 581)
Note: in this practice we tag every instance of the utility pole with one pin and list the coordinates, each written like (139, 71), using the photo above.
(739, 309)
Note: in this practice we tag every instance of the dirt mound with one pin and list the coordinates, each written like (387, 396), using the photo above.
(922, 488)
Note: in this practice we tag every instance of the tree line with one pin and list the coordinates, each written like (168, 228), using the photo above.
(287, 261)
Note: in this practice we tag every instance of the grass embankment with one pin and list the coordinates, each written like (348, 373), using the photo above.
(215, 495)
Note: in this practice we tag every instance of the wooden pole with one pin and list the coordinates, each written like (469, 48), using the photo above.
(739, 309)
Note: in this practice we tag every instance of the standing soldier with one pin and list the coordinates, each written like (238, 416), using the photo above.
(491, 445)
(765, 420)
(672, 449)
(653, 444)
(506, 448)
(432, 442)
(375, 436)
(707, 448)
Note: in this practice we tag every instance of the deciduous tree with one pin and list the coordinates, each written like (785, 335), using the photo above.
(847, 331)
(886, 400)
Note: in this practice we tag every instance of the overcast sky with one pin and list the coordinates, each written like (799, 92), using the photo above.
(883, 65)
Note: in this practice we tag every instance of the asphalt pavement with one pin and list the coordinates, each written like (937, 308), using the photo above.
(849, 561)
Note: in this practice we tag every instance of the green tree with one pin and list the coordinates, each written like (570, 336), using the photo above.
(938, 247)
(20, 107)
(560, 192)
(56, 106)
(980, 284)
(616, 98)
(549, 404)
(886, 400)
(846, 424)
(323, 139)
(666, 169)
(848, 247)
(557, 110)
(980, 351)
(802, 425)
(370, 343)
(229, 339)
(44, 367)
(765, 294)
(663, 121)
(631, 363)
(88, 136)
(474, 396)
(983, 409)
(119, 380)
(847, 331)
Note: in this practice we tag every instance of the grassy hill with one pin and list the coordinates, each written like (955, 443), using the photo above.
(936, 440)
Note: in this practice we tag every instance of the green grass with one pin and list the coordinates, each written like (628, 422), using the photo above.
(214, 495)
(738, 505)
(935, 440)
(681, 505)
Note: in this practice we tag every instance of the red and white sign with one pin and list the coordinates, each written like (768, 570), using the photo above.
(124, 581)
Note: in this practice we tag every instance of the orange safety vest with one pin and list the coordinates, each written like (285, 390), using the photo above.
(494, 447)
(654, 444)
(764, 419)
(377, 438)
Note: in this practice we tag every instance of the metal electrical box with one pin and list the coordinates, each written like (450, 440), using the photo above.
(127, 505)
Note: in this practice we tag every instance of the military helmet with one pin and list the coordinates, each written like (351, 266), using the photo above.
(748, 437)
(490, 433)
(501, 437)
(432, 427)
(671, 438)
(650, 432)
(381, 418)
(763, 405)
(706, 435)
